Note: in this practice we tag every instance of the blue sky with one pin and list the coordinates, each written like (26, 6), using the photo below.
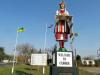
(33, 15)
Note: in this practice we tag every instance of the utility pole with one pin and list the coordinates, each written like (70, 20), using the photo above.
(98, 53)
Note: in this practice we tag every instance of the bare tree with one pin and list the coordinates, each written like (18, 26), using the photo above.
(90, 57)
(25, 51)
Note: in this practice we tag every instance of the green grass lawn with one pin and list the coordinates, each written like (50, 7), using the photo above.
(30, 70)
(23, 70)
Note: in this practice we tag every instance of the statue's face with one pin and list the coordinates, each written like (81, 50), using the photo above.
(62, 6)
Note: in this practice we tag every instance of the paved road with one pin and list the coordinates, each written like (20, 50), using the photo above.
(1, 64)
(91, 69)
(4, 64)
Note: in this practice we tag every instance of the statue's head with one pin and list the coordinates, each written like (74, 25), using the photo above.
(62, 5)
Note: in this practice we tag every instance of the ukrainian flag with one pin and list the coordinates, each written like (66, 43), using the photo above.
(21, 29)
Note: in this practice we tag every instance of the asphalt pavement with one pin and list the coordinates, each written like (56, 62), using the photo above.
(91, 69)
(4, 64)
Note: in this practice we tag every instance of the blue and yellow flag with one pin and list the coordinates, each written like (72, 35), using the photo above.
(21, 29)
(72, 40)
(72, 36)
(50, 26)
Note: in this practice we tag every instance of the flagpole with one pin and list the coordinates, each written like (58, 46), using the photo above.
(15, 53)
(45, 39)
(72, 48)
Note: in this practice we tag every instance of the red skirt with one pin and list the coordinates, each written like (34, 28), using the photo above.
(61, 36)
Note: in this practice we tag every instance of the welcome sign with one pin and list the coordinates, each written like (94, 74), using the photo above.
(64, 59)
